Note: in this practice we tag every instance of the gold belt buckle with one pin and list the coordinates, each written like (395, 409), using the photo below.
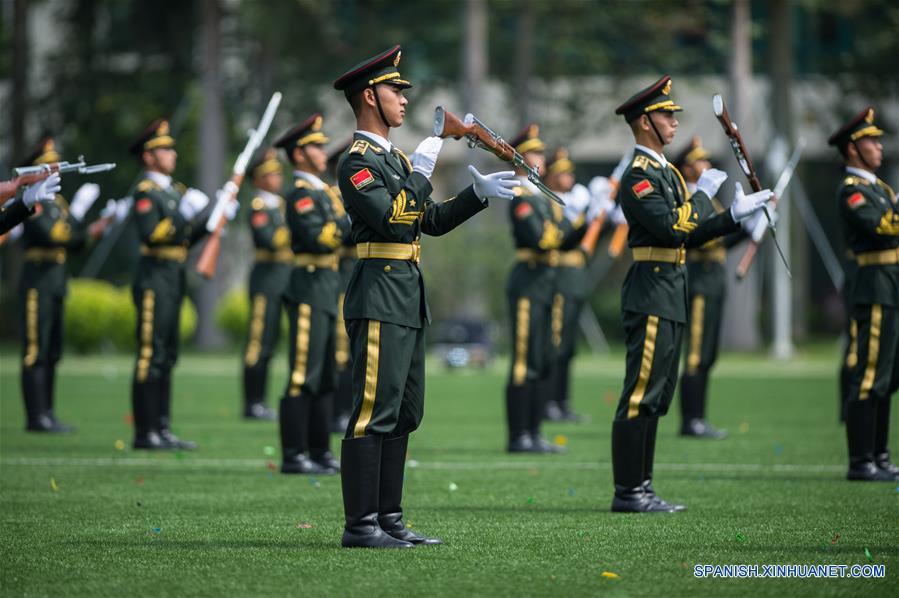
(416, 252)
(552, 258)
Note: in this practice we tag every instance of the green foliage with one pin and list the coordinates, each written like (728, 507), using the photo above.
(232, 314)
(102, 316)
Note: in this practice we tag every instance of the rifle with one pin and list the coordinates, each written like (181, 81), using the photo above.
(782, 182)
(588, 243)
(208, 259)
(745, 162)
(447, 124)
(28, 175)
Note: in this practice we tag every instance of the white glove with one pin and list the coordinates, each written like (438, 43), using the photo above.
(424, 159)
(617, 216)
(44, 190)
(497, 184)
(110, 209)
(84, 198)
(600, 188)
(745, 206)
(192, 203)
(756, 225)
(222, 200)
(230, 209)
(122, 209)
(577, 202)
(710, 180)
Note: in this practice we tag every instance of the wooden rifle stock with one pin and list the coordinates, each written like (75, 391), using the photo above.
(619, 240)
(209, 256)
(591, 237)
(452, 126)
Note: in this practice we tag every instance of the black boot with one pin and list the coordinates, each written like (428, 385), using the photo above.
(58, 426)
(144, 408)
(34, 391)
(164, 417)
(860, 430)
(628, 446)
(517, 405)
(390, 511)
(649, 455)
(540, 391)
(360, 466)
(882, 438)
(692, 404)
(293, 420)
(254, 386)
(320, 434)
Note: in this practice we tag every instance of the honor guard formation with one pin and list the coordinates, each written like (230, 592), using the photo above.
(337, 251)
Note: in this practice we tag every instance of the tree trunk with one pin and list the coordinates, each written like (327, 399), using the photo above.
(524, 61)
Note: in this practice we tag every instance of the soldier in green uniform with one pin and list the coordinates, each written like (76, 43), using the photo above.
(268, 280)
(387, 196)
(706, 285)
(170, 219)
(17, 209)
(867, 206)
(571, 284)
(317, 223)
(53, 229)
(662, 216)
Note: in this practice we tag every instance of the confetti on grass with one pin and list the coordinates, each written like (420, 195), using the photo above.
(610, 575)
(120, 445)
(744, 427)
(129, 418)
(315, 483)
(561, 440)
(778, 449)
(740, 537)
(271, 466)
(157, 530)
(868, 554)
(571, 492)
(304, 525)
(835, 538)
(139, 480)
(412, 463)
(530, 500)
(452, 487)
(53, 486)
(269, 450)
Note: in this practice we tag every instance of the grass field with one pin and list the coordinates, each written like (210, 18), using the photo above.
(80, 517)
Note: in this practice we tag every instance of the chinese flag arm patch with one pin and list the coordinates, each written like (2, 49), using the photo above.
(523, 210)
(642, 188)
(362, 178)
(259, 219)
(144, 205)
(304, 204)
(855, 200)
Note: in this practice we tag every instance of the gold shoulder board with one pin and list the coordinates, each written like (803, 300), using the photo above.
(359, 147)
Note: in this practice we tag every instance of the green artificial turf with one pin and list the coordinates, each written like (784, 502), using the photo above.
(218, 522)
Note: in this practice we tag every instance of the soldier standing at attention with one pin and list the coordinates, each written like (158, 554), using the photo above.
(170, 219)
(706, 286)
(870, 217)
(52, 230)
(388, 199)
(662, 216)
(317, 223)
(268, 280)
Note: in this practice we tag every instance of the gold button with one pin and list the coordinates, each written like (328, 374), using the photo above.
(656, 269)
(387, 268)
(310, 268)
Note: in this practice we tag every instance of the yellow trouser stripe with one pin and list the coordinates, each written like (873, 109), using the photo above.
(697, 316)
(649, 349)
(257, 325)
(371, 378)
(342, 341)
(146, 334)
(852, 355)
(873, 352)
(557, 319)
(298, 376)
(31, 316)
(522, 322)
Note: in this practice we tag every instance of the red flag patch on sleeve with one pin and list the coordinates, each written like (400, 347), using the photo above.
(362, 178)
(642, 188)
(259, 219)
(144, 205)
(855, 200)
(523, 210)
(303, 205)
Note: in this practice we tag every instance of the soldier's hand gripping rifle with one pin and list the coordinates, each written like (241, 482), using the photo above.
(28, 175)
(745, 162)
(447, 124)
(208, 260)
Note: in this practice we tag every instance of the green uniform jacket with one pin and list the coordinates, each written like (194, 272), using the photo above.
(658, 215)
(50, 227)
(388, 203)
(318, 224)
(161, 225)
(270, 235)
(706, 276)
(871, 223)
(538, 225)
(572, 281)
(12, 213)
